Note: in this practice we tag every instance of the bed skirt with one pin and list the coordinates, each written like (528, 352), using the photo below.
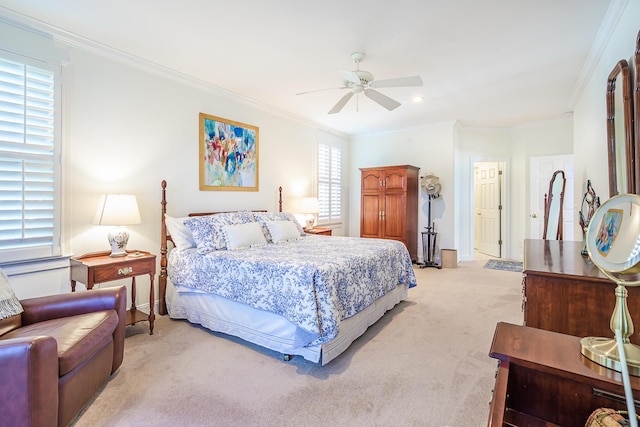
(271, 330)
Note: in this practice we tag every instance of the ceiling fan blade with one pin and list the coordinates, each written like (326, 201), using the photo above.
(384, 100)
(320, 90)
(398, 82)
(343, 101)
(350, 76)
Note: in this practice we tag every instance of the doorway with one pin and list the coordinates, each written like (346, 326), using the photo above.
(488, 202)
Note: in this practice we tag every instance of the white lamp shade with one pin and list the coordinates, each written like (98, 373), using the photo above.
(117, 209)
(310, 205)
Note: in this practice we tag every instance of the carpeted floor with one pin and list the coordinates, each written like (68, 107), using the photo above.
(498, 264)
(425, 363)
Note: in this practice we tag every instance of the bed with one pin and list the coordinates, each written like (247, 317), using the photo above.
(256, 275)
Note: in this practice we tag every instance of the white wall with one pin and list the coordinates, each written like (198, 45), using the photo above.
(430, 148)
(127, 129)
(449, 150)
(129, 126)
(590, 132)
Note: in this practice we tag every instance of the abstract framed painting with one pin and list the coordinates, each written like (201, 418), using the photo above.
(228, 155)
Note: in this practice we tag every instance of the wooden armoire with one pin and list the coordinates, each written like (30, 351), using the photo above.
(389, 205)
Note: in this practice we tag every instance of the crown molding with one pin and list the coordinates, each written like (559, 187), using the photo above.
(73, 40)
(608, 25)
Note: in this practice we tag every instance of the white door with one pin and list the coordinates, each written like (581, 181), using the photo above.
(488, 207)
(541, 170)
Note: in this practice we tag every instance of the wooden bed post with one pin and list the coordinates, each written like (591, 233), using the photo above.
(162, 281)
(164, 238)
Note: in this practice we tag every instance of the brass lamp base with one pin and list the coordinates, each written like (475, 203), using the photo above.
(604, 351)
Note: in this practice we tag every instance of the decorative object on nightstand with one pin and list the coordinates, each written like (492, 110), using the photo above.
(100, 267)
(311, 207)
(117, 210)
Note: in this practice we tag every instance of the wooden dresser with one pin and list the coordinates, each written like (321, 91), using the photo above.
(544, 381)
(389, 205)
(565, 292)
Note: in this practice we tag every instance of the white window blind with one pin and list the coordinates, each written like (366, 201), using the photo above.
(329, 184)
(29, 171)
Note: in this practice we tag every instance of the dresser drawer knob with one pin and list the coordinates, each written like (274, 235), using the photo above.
(124, 271)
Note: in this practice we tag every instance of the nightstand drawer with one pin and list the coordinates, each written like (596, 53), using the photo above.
(114, 272)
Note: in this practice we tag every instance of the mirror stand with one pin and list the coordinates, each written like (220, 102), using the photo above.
(604, 351)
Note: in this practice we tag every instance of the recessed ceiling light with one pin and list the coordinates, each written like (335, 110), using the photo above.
(417, 99)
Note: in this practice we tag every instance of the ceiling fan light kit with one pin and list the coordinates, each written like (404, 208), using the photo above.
(362, 81)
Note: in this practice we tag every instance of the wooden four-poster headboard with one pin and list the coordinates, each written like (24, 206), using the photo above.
(164, 237)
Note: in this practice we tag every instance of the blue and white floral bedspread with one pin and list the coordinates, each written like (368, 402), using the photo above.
(314, 282)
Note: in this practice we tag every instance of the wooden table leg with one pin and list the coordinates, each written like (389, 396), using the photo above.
(152, 316)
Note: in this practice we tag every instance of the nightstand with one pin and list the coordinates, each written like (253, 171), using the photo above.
(99, 267)
(319, 231)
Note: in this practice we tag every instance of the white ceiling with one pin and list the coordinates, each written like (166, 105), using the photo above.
(488, 63)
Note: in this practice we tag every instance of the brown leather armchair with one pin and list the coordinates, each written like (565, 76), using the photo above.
(57, 354)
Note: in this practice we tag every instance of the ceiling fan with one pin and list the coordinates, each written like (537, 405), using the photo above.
(361, 81)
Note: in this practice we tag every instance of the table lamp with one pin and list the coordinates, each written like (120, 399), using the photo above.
(310, 206)
(117, 210)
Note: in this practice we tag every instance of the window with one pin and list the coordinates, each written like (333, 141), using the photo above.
(29, 159)
(329, 185)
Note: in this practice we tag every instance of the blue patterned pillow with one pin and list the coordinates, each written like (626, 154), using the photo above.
(264, 217)
(208, 231)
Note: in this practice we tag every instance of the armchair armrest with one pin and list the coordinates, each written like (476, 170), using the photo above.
(29, 372)
(50, 307)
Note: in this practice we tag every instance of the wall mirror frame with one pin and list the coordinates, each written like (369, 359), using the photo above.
(553, 207)
(620, 130)
(636, 109)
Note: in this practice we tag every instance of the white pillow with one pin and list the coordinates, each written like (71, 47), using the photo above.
(243, 236)
(283, 231)
(180, 233)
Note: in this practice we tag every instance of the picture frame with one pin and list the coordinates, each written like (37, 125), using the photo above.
(228, 155)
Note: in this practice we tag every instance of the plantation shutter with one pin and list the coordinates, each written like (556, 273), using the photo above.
(29, 205)
(329, 172)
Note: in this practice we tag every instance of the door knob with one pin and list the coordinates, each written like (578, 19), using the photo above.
(534, 216)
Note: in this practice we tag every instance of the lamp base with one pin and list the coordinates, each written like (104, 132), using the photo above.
(604, 351)
(310, 221)
(118, 239)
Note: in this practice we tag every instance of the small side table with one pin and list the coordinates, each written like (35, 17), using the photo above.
(319, 231)
(99, 267)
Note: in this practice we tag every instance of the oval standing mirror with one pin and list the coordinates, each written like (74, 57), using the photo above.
(613, 243)
(620, 130)
(553, 201)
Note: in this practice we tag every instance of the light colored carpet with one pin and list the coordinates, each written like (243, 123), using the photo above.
(425, 363)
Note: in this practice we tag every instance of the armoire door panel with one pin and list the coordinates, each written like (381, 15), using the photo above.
(395, 180)
(394, 219)
(371, 181)
(371, 215)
